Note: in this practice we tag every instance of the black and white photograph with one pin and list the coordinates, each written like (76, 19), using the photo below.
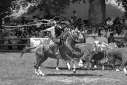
(63, 42)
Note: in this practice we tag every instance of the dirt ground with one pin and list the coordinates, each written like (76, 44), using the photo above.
(20, 71)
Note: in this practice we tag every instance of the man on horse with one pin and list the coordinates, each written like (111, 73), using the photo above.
(59, 31)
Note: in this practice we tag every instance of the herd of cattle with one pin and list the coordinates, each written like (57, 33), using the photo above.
(87, 55)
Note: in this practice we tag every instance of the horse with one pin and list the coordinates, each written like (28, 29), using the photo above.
(42, 52)
(52, 41)
(52, 44)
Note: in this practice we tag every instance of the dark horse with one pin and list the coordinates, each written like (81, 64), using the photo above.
(42, 52)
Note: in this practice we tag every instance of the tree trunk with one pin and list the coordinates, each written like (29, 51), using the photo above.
(0, 24)
(97, 12)
(1, 36)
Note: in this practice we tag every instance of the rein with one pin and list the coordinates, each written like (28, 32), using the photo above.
(69, 46)
(66, 43)
(72, 50)
(73, 37)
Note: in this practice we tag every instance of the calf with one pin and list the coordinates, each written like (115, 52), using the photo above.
(120, 54)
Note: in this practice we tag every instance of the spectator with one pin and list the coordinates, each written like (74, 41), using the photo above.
(116, 21)
(109, 22)
(13, 41)
(111, 38)
(6, 41)
(74, 16)
(122, 34)
(72, 21)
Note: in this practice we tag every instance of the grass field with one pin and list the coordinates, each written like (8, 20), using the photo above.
(20, 71)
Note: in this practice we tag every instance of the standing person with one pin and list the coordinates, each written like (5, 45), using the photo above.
(109, 23)
(13, 41)
(75, 17)
(111, 38)
(72, 21)
(125, 22)
(23, 21)
(125, 35)
(116, 24)
(35, 19)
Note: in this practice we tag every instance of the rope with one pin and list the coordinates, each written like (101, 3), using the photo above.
(49, 22)
(24, 25)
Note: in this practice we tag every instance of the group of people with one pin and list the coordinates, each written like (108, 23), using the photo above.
(110, 28)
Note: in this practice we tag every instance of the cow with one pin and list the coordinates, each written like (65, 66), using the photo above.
(120, 54)
(100, 56)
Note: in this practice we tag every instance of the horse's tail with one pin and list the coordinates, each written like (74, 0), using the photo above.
(26, 50)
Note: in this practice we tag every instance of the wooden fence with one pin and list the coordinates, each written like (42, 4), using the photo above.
(24, 42)
(14, 45)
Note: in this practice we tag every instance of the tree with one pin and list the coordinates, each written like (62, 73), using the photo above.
(57, 7)
(52, 7)
(124, 2)
(97, 10)
(4, 7)
(4, 10)
(97, 13)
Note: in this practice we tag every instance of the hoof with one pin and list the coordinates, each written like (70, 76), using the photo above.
(42, 74)
(102, 69)
(36, 73)
(95, 66)
(117, 70)
(57, 69)
(74, 71)
(70, 69)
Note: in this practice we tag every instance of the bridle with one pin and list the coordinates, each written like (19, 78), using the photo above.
(73, 32)
(68, 45)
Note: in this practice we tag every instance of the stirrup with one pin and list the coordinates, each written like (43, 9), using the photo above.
(57, 53)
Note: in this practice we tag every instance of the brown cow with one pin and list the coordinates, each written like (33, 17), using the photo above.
(120, 54)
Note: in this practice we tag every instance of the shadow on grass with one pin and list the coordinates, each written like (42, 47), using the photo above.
(61, 68)
(65, 68)
(72, 75)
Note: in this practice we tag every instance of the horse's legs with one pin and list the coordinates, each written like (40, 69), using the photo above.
(74, 66)
(68, 65)
(36, 71)
(37, 65)
(80, 63)
(113, 64)
(57, 63)
(123, 65)
(103, 66)
(94, 64)
(90, 61)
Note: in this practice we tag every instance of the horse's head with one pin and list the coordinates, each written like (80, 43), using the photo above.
(104, 46)
(76, 35)
(112, 45)
(97, 47)
(66, 33)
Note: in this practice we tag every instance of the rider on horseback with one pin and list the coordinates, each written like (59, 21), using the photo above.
(57, 39)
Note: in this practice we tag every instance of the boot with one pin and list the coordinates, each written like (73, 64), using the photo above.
(57, 53)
